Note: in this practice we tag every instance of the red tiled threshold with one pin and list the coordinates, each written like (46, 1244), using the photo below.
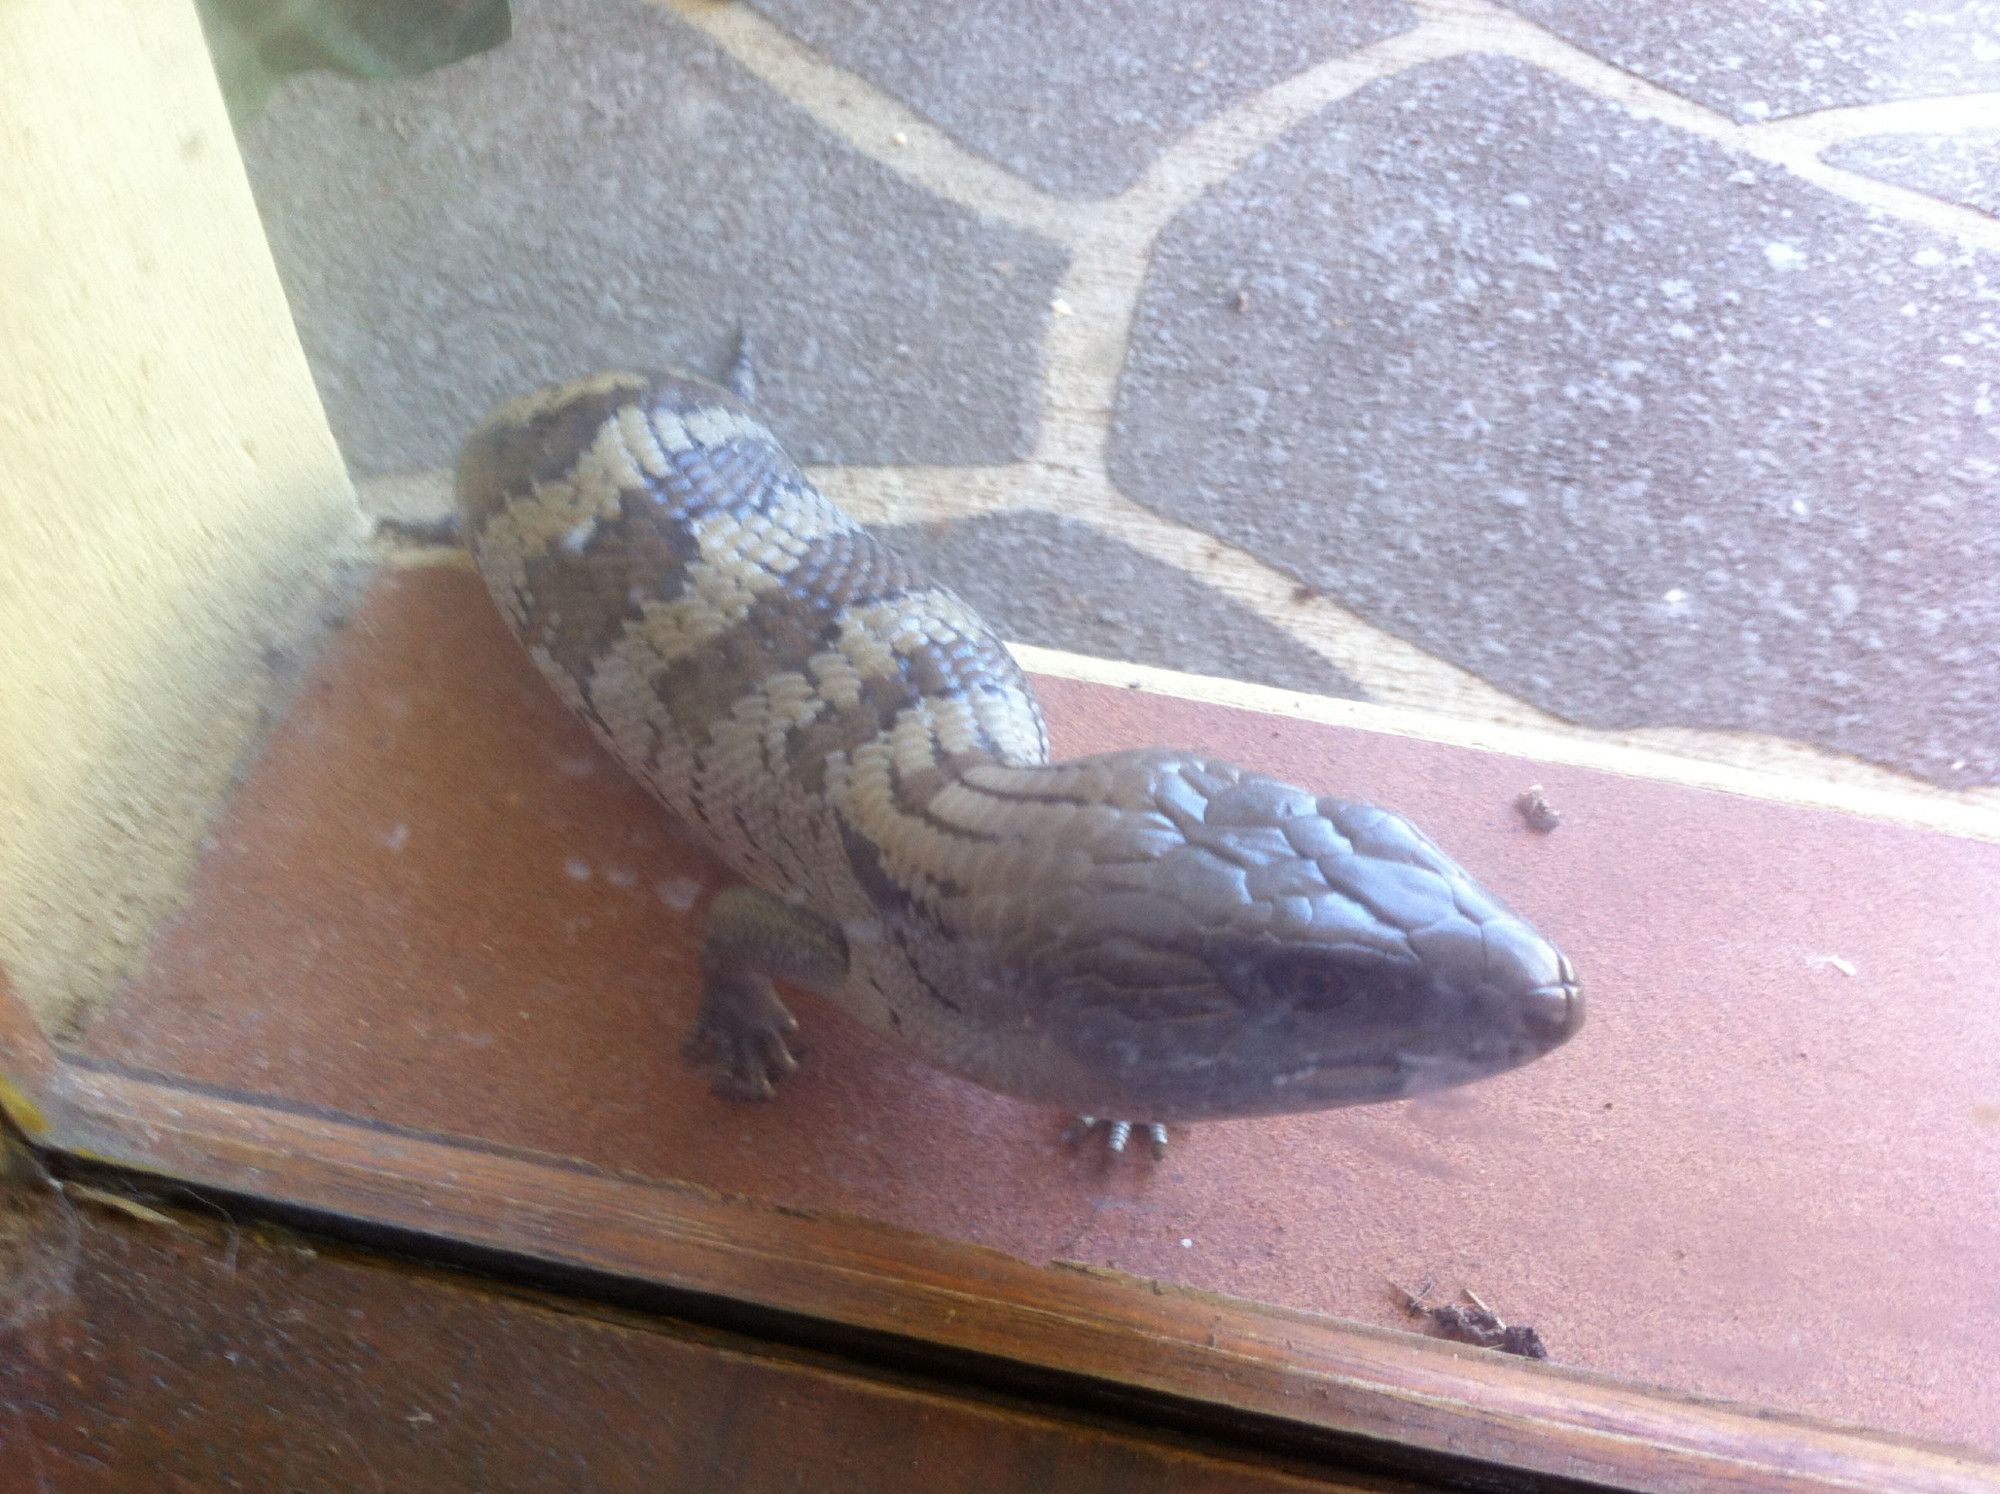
(1764, 1170)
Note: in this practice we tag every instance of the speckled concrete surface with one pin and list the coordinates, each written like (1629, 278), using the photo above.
(1638, 445)
(1078, 99)
(1960, 168)
(1591, 362)
(1778, 57)
(1042, 579)
(608, 189)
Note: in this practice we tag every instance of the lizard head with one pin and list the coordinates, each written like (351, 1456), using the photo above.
(1239, 946)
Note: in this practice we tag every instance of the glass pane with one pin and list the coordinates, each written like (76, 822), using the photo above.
(1571, 427)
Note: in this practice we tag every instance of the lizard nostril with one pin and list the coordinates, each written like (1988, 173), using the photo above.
(1554, 1012)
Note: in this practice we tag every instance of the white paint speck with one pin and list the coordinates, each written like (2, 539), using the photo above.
(1061, 307)
(1680, 332)
(1835, 962)
(1780, 255)
(1186, 1244)
(576, 538)
(1801, 509)
(1518, 199)
(1927, 257)
(397, 837)
(577, 869)
(678, 893)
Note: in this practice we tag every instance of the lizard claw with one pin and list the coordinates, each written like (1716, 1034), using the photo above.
(742, 376)
(1118, 1133)
(742, 1039)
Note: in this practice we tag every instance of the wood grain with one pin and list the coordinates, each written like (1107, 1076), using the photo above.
(182, 1353)
(1222, 1368)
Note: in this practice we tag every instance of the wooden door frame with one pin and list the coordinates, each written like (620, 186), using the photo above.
(1141, 1353)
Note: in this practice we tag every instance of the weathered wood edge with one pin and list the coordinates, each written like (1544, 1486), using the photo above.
(1254, 1376)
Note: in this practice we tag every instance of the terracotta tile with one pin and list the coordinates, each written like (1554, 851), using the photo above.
(1755, 1173)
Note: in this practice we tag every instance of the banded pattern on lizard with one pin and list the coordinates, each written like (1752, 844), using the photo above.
(1150, 934)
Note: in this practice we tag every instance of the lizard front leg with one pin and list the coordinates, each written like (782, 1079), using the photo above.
(743, 1033)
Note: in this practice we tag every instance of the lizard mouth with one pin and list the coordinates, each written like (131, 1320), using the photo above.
(1396, 1071)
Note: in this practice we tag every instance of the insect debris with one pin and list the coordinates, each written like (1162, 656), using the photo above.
(1477, 1325)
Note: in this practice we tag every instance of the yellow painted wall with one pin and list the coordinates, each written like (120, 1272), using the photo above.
(169, 491)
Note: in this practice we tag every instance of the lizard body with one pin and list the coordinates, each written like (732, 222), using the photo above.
(1147, 933)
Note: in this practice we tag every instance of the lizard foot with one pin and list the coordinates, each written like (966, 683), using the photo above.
(1117, 1133)
(742, 1038)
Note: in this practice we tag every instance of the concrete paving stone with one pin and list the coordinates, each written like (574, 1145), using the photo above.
(609, 188)
(1959, 168)
(1780, 57)
(1038, 578)
(1640, 431)
(1078, 99)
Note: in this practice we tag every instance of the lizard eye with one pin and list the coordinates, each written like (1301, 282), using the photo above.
(1312, 985)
